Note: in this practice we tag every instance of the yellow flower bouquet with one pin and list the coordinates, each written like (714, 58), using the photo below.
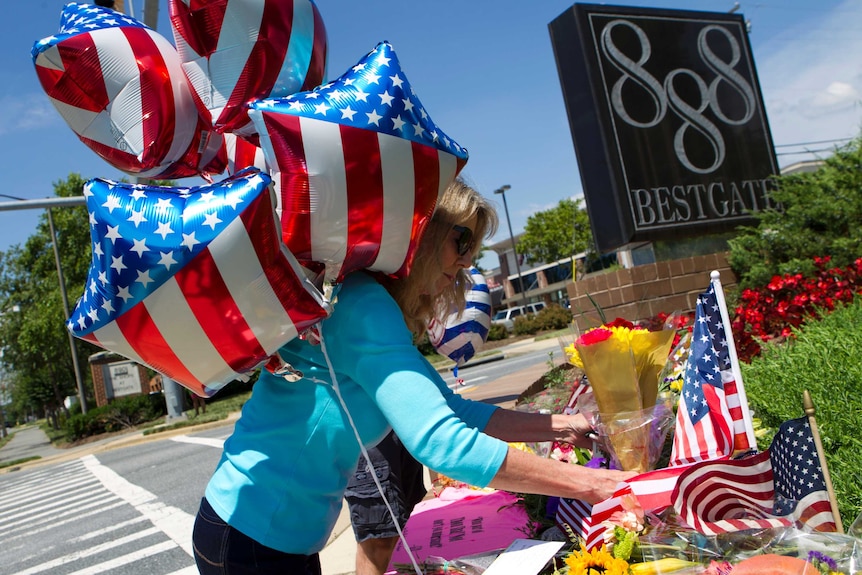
(623, 363)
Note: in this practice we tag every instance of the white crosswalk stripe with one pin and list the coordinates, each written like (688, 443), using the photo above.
(56, 520)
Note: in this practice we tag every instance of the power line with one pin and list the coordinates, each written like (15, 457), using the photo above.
(805, 152)
(814, 142)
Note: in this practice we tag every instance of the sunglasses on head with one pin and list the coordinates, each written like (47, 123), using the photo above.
(464, 241)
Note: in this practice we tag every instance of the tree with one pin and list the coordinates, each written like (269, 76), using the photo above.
(33, 336)
(557, 233)
(820, 215)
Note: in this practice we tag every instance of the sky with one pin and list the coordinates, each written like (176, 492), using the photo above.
(485, 72)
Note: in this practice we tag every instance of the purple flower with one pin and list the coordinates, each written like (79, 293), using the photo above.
(597, 463)
(819, 559)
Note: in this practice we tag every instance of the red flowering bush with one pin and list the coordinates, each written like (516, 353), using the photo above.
(771, 312)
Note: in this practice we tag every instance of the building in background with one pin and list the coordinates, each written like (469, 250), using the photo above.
(545, 282)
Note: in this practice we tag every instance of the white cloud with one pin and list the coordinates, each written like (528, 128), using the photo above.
(813, 87)
(26, 112)
(838, 97)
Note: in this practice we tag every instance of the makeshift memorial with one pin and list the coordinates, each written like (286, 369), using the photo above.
(192, 282)
(358, 167)
(238, 51)
(120, 87)
(622, 363)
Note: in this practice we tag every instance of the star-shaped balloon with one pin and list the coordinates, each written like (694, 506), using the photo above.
(120, 87)
(359, 166)
(192, 282)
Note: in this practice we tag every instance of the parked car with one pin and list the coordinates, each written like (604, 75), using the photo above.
(506, 317)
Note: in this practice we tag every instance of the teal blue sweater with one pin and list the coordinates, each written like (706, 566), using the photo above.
(282, 474)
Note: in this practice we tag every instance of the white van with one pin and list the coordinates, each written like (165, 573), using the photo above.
(506, 317)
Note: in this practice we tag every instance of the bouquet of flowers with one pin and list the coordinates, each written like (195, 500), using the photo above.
(623, 363)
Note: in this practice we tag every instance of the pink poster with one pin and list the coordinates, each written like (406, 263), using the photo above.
(462, 522)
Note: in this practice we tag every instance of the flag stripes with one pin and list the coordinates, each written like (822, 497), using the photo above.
(352, 219)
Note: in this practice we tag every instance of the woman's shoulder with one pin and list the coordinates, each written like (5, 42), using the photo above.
(360, 282)
(361, 288)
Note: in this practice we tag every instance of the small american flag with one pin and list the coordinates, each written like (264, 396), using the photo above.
(574, 514)
(358, 167)
(710, 420)
(120, 87)
(236, 51)
(779, 487)
(800, 488)
(195, 282)
(582, 387)
(653, 490)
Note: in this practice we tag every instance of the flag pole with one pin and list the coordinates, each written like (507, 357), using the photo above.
(734, 360)
(808, 406)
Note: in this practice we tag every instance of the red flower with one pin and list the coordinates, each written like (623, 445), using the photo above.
(620, 322)
(595, 336)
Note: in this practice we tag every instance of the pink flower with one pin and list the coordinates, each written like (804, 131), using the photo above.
(632, 516)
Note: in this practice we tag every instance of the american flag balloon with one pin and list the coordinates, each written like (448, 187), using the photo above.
(237, 51)
(192, 282)
(120, 87)
(460, 336)
(243, 154)
(358, 167)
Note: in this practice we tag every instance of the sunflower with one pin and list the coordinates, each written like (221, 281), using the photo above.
(595, 562)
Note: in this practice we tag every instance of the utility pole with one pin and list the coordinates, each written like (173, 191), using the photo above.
(47, 203)
(502, 192)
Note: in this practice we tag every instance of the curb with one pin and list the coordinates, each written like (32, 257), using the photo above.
(124, 440)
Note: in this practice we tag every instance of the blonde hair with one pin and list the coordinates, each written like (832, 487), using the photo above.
(458, 204)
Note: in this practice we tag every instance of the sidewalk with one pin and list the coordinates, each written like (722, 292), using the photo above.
(338, 556)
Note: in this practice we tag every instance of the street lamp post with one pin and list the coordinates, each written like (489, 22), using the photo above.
(502, 192)
(79, 380)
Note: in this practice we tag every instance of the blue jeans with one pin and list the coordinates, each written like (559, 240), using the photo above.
(222, 550)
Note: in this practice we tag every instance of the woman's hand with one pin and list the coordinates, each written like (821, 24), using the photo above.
(578, 431)
(603, 483)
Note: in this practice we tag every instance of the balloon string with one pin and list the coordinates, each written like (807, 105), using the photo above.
(364, 451)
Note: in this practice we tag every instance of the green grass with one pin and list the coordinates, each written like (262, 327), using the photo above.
(824, 359)
(217, 410)
(15, 462)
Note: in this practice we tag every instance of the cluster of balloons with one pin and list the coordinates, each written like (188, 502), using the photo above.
(322, 179)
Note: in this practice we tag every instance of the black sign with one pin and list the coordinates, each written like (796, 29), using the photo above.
(667, 119)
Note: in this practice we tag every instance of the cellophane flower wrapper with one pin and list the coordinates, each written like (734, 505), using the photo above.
(610, 367)
(440, 566)
(623, 363)
(666, 536)
(650, 350)
(633, 440)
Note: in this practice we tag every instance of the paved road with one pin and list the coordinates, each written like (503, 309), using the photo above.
(124, 505)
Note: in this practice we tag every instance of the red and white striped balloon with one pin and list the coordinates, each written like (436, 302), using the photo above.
(236, 51)
(120, 87)
(243, 154)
